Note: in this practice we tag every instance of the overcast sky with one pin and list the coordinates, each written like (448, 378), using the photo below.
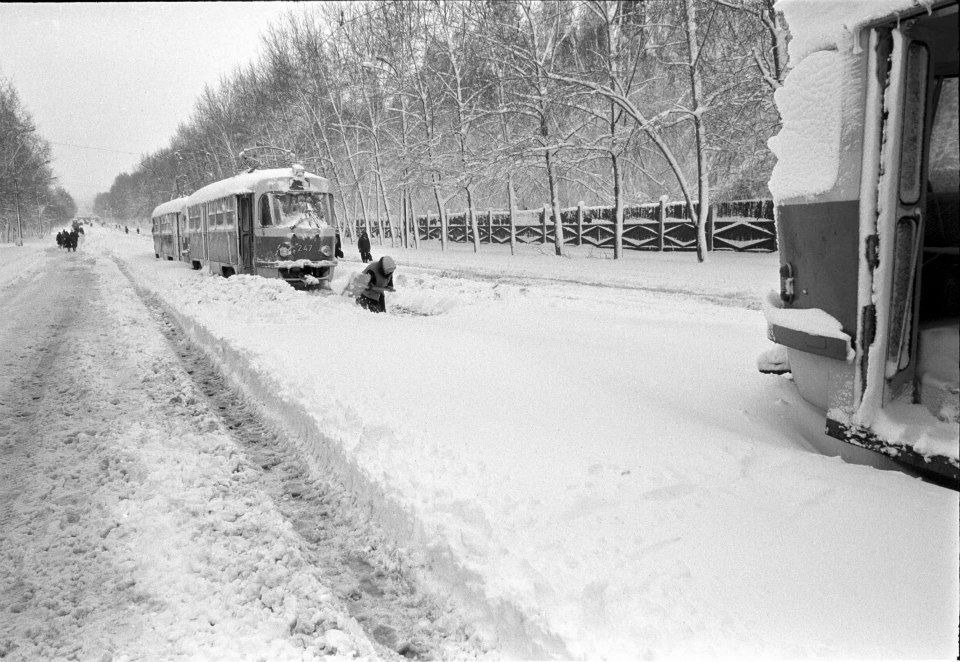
(121, 76)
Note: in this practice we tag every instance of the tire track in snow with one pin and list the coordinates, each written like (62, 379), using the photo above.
(367, 574)
(61, 583)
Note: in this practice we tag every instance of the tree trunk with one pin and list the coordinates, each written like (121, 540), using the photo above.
(513, 213)
(383, 196)
(416, 225)
(473, 221)
(617, 208)
(366, 219)
(379, 223)
(557, 224)
(701, 139)
(443, 219)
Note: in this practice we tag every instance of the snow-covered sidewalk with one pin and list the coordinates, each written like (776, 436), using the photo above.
(133, 527)
(737, 279)
(599, 471)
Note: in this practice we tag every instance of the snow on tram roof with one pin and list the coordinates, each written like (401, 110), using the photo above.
(170, 207)
(257, 180)
(833, 24)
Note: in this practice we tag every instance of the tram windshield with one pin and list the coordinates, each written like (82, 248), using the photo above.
(300, 210)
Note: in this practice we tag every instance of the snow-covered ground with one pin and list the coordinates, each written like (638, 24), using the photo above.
(133, 523)
(596, 470)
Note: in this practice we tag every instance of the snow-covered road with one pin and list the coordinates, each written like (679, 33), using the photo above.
(148, 513)
(581, 453)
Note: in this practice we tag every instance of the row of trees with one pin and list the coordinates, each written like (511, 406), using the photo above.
(30, 202)
(445, 105)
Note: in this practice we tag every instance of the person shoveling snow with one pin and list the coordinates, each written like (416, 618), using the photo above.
(370, 285)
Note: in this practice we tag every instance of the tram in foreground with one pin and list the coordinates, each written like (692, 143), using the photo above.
(867, 191)
(276, 222)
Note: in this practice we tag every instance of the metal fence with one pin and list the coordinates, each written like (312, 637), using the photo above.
(737, 225)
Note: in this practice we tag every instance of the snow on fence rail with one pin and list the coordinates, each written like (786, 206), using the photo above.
(737, 225)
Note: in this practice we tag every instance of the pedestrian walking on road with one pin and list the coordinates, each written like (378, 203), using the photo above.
(338, 251)
(363, 243)
(126, 230)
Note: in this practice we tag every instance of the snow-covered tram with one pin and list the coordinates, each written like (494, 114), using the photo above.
(275, 222)
(167, 226)
(867, 191)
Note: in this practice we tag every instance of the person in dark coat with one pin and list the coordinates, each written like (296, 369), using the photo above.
(363, 243)
(60, 239)
(338, 251)
(376, 279)
(71, 240)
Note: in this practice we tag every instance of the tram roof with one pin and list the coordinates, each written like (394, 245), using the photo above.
(821, 25)
(170, 207)
(258, 181)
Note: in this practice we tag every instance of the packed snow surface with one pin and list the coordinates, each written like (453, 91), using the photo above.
(133, 522)
(131, 526)
(598, 469)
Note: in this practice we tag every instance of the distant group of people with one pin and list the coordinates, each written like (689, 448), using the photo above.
(68, 239)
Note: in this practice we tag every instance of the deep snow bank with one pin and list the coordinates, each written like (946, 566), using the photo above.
(603, 474)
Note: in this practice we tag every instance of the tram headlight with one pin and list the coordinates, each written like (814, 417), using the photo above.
(325, 250)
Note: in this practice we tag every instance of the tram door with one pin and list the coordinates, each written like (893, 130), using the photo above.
(245, 224)
(910, 61)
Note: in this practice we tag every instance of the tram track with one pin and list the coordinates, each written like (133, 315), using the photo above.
(366, 573)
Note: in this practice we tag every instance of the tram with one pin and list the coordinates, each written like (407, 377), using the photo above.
(867, 192)
(167, 224)
(276, 222)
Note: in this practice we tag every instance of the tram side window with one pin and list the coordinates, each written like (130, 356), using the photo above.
(230, 212)
(265, 218)
(944, 155)
(943, 214)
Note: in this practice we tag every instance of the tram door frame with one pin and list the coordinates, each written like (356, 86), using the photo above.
(892, 249)
(245, 225)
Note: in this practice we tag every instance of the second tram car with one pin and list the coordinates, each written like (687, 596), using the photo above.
(867, 188)
(276, 222)
(167, 224)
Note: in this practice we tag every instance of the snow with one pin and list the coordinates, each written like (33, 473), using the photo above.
(809, 320)
(903, 423)
(133, 526)
(737, 279)
(22, 263)
(596, 470)
(246, 182)
(176, 206)
(939, 358)
(808, 144)
(833, 24)
(776, 359)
